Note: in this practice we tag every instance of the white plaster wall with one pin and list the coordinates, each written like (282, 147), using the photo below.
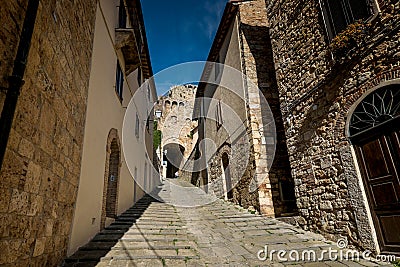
(104, 112)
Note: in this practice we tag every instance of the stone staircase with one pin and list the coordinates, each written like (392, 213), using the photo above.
(148, 234)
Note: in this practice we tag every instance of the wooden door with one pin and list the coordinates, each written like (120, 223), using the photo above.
(378, 155)
(375, 133)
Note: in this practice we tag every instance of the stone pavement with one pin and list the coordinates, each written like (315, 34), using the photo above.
(153, 233)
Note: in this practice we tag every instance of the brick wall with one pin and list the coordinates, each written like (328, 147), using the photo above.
(41, 169)
(316, 92)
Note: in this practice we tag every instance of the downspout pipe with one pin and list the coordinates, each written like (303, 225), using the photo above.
(16, 79)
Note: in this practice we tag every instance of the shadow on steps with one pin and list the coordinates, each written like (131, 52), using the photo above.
(102, 243)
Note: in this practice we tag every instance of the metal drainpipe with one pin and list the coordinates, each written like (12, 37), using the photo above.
(16, 79)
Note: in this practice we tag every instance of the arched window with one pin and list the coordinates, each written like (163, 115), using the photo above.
(378, 107)
(174, 119)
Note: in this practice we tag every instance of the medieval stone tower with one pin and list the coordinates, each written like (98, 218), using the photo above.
(177, 127)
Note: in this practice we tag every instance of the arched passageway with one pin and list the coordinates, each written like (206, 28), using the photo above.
(173, 155)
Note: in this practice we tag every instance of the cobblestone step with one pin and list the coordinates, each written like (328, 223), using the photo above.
(118, 227)
(218, 234)
(143, 231)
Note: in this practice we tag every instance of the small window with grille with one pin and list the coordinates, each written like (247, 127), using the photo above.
(119, 83)
(137, 127)
(218, 115)
(338, 14)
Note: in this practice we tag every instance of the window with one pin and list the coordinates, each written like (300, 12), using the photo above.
(122, 15)
(217, 67)
(174, 119)
(148, 92)
(119, 84)
(139, 76)
(137, 126)
(338, 14)
(218, 115)
(378, 107)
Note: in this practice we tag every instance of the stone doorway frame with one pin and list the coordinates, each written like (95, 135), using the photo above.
(364, 220)
(113, 147)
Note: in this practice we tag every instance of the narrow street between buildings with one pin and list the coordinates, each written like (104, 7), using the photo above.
(153, 233)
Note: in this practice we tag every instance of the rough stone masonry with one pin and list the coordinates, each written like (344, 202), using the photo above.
(316, 92)
(41, 169)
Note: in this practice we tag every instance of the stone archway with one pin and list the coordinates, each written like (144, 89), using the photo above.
(111, 177)
(373, 128)
(174, 157)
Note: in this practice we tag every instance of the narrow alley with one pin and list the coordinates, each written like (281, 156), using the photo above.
(199, 133)
(153, 233)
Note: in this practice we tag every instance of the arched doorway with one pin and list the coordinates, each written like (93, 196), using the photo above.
(111, 177)
(226, 174)
(173, 155)
(374, 130)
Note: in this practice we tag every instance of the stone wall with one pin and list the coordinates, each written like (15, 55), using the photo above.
(229, 133)
(12, 17)
(233, 140)
(271, 159)
(316, 92)
(41, 169)
(176, 122)
(258, 157)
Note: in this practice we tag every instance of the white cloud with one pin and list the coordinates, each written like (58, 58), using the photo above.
(211, 21)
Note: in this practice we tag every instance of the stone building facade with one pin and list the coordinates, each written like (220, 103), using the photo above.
(177, 127)
(241, 168)
(48, 165)
(329, 71)
(338, 79)
(40, 173)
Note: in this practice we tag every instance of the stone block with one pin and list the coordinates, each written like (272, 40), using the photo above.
(26, 148)
(5, 197)
(19, 202)
(39, 246)
(33, 178)
(36, 205)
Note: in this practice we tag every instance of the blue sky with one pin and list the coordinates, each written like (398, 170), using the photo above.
(180, 31)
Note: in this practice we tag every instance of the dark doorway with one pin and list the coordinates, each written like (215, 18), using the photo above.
(173, 154)
(227, 175)
(375, 130)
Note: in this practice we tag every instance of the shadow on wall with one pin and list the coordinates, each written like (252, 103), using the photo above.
(281, 179)
(103, 242)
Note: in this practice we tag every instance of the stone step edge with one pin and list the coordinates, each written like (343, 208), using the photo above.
(150, 257)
